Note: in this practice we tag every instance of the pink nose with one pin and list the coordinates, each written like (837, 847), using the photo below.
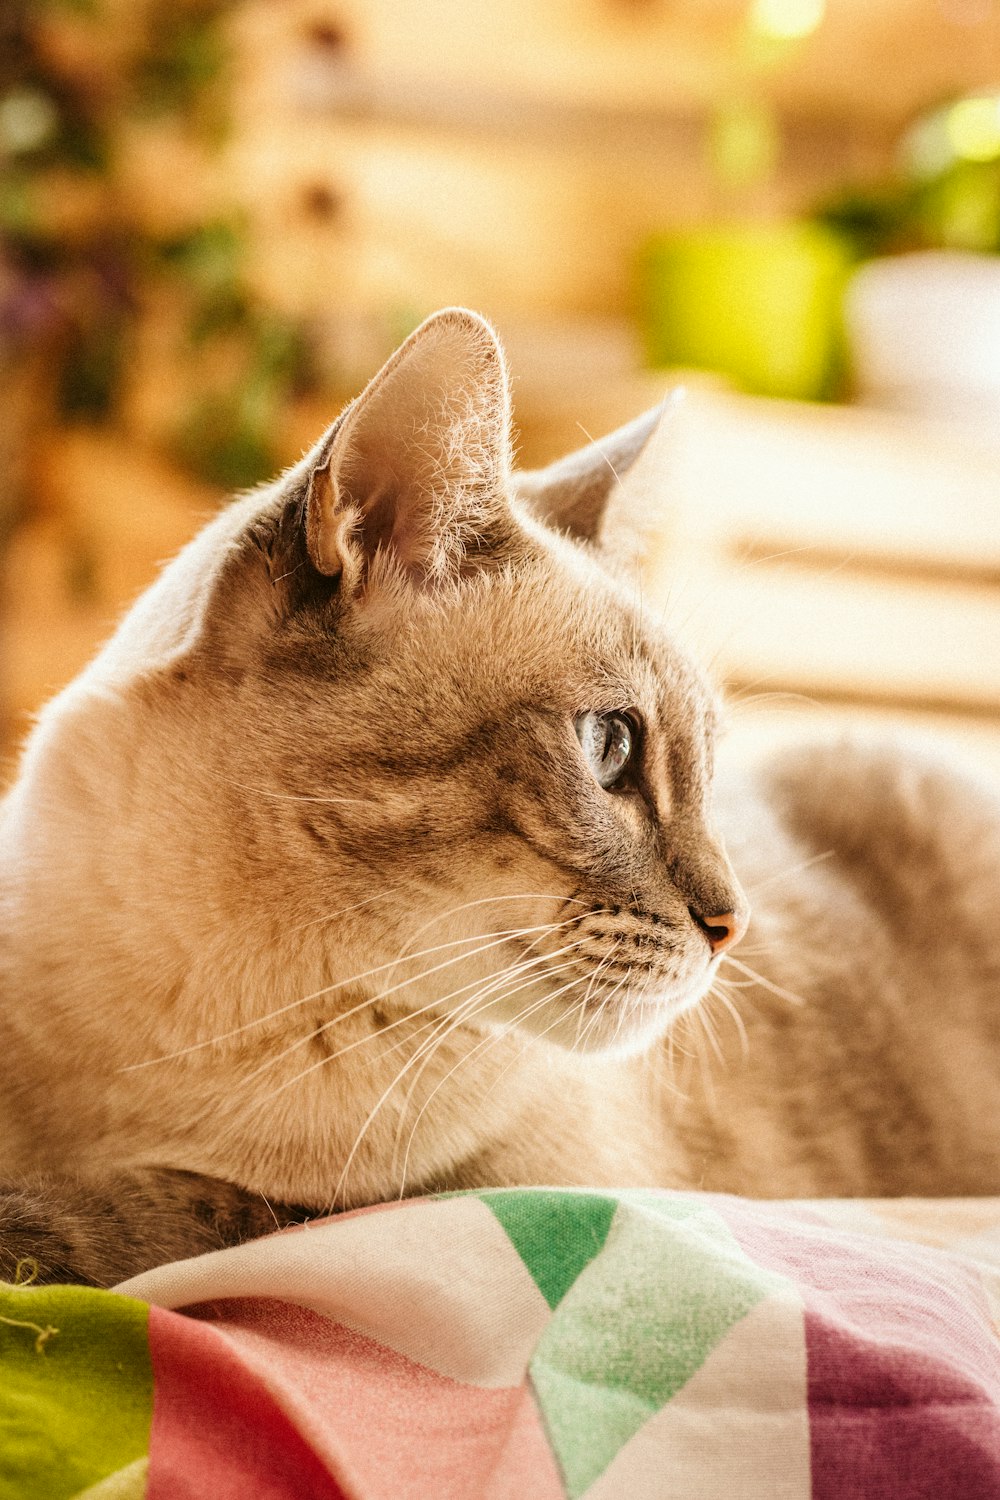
(722, 931)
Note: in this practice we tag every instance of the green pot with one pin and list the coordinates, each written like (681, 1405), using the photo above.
(759, 304)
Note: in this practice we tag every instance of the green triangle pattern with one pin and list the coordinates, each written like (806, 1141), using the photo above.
(556, 1234)
(636, 1326)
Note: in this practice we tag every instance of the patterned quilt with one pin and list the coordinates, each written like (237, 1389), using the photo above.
(528, 1345)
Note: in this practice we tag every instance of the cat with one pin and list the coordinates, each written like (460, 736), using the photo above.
(381, 851)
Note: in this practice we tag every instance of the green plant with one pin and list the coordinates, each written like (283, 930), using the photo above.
(84, 292)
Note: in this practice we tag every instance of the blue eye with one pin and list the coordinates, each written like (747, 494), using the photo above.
(607, 741)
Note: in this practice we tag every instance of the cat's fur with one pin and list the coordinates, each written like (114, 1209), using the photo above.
(323, 787)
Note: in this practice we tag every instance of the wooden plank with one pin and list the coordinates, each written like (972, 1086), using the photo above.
(610, 54)
(885, 538)
(884, 640)
(757, 729)
(837, 482)
(425, 220)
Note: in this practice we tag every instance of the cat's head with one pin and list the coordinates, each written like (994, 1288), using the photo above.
(425, 731)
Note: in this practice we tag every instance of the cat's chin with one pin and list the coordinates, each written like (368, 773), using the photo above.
(619, 1023)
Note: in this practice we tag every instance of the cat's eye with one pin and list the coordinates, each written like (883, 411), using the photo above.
(608, 742)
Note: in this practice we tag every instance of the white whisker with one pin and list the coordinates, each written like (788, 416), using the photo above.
(548, 971)
(346, 983)
(434, 1004)
(343, 911)
(262, 791)
(806, 864)
(491, 901)
(775, 989)
(724, 1000)
(487, 1040)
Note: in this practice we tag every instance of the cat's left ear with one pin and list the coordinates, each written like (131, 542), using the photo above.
(413, 476)
(611, 493)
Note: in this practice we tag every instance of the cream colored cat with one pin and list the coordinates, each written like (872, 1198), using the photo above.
(380, 851)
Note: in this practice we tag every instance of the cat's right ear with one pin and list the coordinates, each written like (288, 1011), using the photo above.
(411, 482)
(407, 489)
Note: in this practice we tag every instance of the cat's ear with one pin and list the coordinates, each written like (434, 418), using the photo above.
(413, 475)
(610, 493)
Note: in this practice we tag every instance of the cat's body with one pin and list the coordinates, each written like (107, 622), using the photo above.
(310, 888)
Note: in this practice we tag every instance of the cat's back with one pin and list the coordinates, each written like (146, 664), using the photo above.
(913, 830)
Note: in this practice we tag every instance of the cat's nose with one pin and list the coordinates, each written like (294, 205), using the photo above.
(723, 930)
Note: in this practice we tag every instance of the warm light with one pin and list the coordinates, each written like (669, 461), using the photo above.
(745, 142)
(973, 127)
(785, 20)
(927, 148)
(27, 120)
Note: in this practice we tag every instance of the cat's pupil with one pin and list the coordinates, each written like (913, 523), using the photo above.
(607, 741)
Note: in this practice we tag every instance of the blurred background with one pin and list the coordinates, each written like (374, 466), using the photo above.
(217, 217)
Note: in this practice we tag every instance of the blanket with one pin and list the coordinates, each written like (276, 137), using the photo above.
(528, 1345)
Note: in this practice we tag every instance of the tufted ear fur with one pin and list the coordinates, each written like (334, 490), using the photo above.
(413, 476)
(609, 493)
